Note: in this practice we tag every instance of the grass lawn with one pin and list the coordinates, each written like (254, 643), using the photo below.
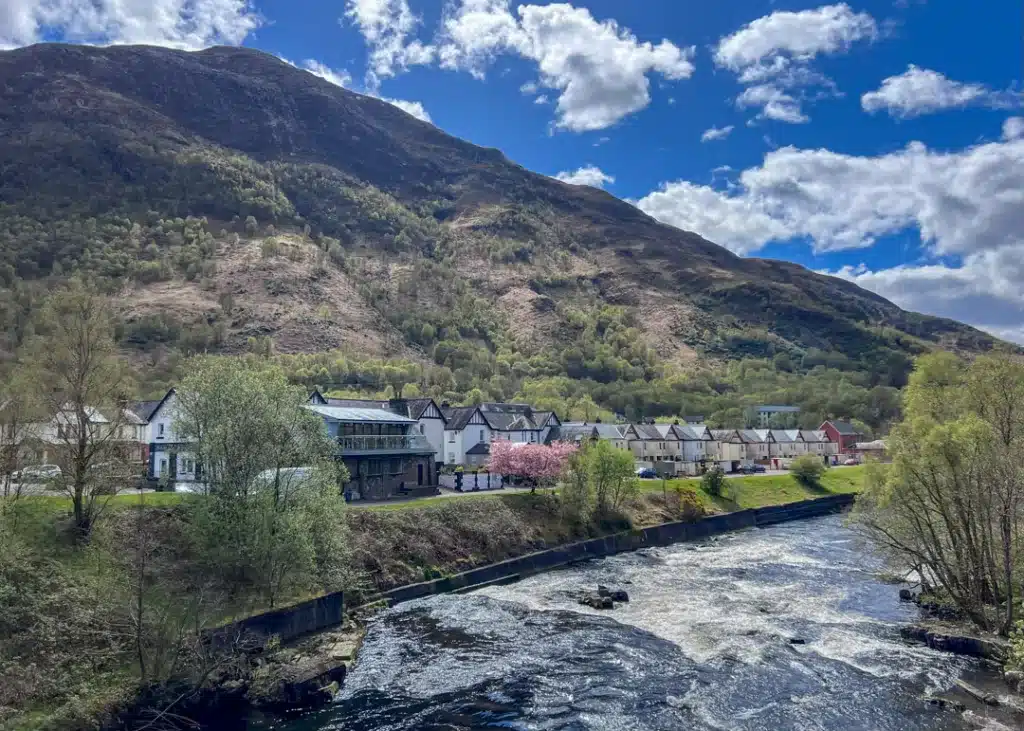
(759, 491)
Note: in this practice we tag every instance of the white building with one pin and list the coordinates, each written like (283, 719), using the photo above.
(170, 458)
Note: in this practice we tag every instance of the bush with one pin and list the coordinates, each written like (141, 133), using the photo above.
(808, 470)
(713, 482)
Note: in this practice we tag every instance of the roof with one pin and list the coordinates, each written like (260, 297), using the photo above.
(610, 431)
(648, 431)
(347, 413)
(511, 417)
(778, 409)
(479, 448)
(458, 416)
(693, 433)
(786, 435)
(845, 428)
(667, 431)
(144, 409)
(412, 407)
(572, 433)
(815, 435)
(726, 435)
(751, 436)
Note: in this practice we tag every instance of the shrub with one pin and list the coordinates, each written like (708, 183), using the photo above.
(713, 482)
(808, 470)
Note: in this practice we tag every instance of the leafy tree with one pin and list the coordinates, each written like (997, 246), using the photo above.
(713, 482)
(807, 469)
(951, 507)
(608, 474)
(263, 525)
(84, 387)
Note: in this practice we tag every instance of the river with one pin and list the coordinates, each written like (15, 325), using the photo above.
(780, 628)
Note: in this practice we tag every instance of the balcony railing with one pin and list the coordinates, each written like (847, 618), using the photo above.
(384, 443)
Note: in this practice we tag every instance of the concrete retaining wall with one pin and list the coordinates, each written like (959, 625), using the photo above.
(659, 535)
(287, 623)
(327, 611)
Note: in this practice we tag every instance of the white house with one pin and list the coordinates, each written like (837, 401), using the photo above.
(696, 445)
(467, 436)
(818, 442)
(44, 442)
(169, 457)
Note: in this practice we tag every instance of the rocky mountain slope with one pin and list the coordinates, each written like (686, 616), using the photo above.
(226, 195)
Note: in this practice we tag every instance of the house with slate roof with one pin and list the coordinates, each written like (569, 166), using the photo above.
(843, 433)
(384, 452)
(728, 449)
(467, 436)
(429, 418)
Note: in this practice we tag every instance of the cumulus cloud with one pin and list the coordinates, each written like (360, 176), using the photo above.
(716, 133)
(342, 78)
(959, 202)
(599, 70)
(186, 24)
(588, 175)
(773, 55)
(920, 91)
(966, 207)
(387, 27)
(1013, 128)
(985, 291)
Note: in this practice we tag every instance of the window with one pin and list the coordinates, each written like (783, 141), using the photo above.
(163, 466)
(160, 430)
(423, 428)
(451, 457)
(482, 437)
(533, 436)
(451, 438)
(374, 467)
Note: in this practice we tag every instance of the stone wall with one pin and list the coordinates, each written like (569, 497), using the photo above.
(287, 623)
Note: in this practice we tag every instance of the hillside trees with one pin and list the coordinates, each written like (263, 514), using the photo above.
(952, 505)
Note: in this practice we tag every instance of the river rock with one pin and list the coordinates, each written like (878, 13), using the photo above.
(603, 590)
(906, 595)
(619, 595)
(596, 601)
(797, 641)
(1015, 679)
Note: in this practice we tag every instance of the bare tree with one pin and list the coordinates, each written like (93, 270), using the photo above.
(84, 386)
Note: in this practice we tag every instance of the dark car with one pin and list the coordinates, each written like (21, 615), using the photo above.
(646, 473)
(752, 469)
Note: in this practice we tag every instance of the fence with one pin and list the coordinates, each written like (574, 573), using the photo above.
(473, 481)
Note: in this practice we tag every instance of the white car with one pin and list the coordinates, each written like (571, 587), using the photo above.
(38, 473)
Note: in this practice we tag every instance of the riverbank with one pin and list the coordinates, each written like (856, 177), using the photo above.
(388, 547)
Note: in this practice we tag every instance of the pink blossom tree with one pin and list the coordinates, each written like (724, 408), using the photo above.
(540, 463)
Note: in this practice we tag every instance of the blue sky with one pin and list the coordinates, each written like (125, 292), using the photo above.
(882, 140)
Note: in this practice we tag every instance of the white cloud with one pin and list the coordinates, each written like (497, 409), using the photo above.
(716, 133)
(920, 91)
(1013, 128)
(773, 55)
(187, 24)
(599, 70)
(774, 102)
(984, 291)
(386, 26)
(959, 202)
(589, 175)
(966, 205)
(416, 109)
(342, 78)
(784, 36)
(338, 77)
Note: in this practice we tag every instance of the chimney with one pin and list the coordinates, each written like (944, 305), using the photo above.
(445, 405)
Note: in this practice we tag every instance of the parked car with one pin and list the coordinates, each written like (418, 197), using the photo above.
(850, 462)
(646, 473)
(38, 473)
(751, 469)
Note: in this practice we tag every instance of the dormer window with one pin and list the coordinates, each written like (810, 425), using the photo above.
(160, 430)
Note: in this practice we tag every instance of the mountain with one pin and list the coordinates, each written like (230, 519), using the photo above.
(227, 196)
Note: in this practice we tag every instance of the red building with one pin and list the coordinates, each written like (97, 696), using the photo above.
(842, 433)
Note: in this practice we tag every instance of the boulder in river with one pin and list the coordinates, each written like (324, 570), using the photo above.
(619, 595)
(906, 595)
(603, 590)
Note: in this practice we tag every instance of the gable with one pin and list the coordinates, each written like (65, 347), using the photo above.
(431, 412)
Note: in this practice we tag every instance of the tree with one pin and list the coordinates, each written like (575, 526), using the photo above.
(272, 521)
(539, 463)
(807, 469)
(951, 507)
(84, 387)
(713, 482)
(608, 474)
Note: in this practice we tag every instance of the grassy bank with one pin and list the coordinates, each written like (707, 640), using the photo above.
(61, 594)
